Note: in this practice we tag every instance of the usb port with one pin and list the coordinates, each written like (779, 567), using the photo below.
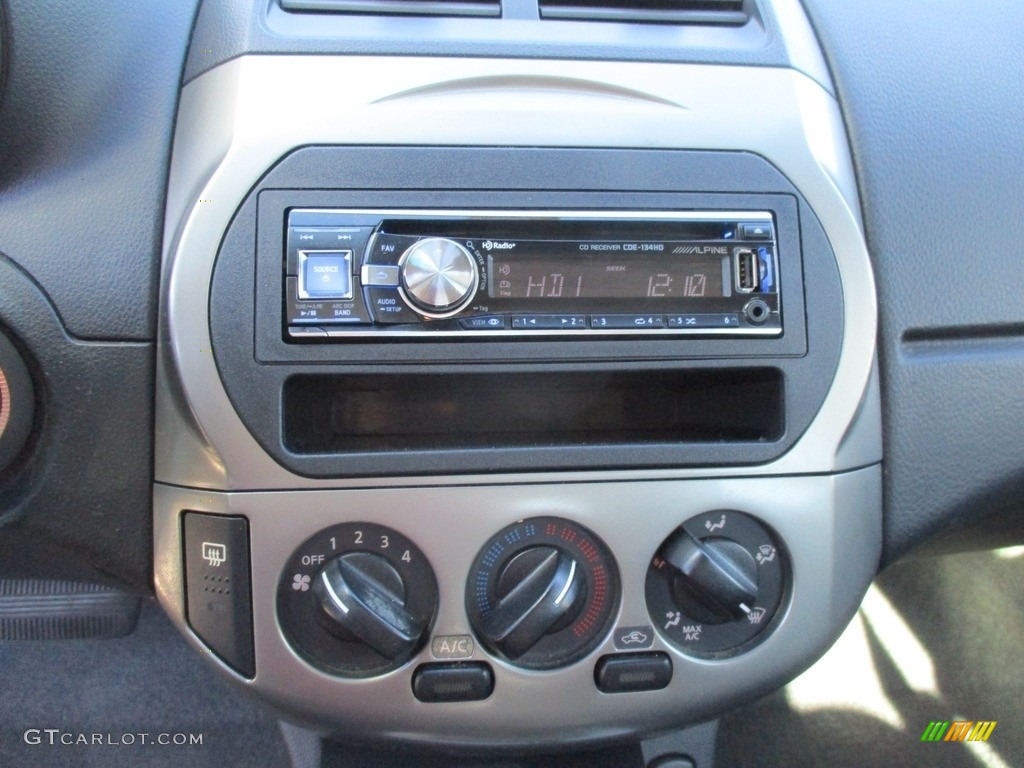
(747, 269)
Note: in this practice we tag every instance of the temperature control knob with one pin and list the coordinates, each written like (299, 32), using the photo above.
(357, 599)
(716, 583)
(542, 593)
(439, 276)
(540, 588)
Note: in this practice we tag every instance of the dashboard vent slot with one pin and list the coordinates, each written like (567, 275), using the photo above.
(730, 12)
(398, 7)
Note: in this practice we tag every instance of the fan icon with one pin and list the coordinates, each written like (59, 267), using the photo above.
(300, 583)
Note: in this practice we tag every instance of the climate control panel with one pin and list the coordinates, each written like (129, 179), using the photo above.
(603, 608)
(359, 600)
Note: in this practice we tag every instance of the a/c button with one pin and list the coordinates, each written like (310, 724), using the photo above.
(466, 681)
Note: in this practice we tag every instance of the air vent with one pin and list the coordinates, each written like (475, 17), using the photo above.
(398, 7)
(729, 12)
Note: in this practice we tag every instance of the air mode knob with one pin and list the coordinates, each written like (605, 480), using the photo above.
(716, 583)
(714, 580)
(439, 276)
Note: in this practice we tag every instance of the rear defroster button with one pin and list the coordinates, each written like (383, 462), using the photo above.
(218, 604)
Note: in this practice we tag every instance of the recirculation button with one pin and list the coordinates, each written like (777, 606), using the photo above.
(628, 672)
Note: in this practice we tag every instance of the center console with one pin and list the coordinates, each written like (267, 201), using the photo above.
(539, 403)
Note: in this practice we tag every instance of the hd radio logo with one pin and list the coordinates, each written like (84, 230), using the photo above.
(958, 730)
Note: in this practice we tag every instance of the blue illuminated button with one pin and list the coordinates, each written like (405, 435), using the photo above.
(325, 274)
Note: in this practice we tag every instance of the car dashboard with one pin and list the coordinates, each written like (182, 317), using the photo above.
(466, 375)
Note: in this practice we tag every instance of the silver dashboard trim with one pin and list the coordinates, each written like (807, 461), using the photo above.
(237, 105)
(835, 555)
(822, 498)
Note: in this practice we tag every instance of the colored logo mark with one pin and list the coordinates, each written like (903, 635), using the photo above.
(958, 730)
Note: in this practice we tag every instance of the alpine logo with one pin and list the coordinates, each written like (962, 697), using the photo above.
(699, 249)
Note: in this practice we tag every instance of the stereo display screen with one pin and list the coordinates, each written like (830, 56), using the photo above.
(608, 276)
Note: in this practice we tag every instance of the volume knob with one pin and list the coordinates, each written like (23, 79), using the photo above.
(439, 276)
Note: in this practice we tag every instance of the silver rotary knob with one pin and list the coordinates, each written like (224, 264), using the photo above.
(439, 276)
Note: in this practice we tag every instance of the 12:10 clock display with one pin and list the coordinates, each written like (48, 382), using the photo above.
(601, 278)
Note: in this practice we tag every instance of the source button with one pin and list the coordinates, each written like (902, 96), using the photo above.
(325, 274)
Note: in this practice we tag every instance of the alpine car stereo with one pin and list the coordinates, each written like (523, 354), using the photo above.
(360, 273)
